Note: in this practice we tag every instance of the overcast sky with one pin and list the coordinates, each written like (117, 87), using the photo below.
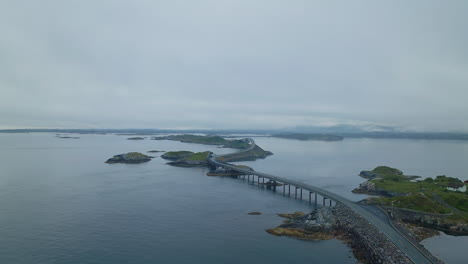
(233, 64)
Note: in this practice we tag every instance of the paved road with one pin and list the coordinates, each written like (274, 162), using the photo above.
(401, 242)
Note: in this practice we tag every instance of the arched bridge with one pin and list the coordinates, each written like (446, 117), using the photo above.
(409, 248)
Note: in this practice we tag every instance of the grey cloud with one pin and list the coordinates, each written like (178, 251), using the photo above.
(233, 64)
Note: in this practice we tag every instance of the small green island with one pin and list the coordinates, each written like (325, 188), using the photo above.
(187, 158)
(130, 157)
(431, 202)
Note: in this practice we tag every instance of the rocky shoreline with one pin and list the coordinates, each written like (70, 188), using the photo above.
(369, 245)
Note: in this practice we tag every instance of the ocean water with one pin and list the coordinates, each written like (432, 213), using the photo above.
(60, 203)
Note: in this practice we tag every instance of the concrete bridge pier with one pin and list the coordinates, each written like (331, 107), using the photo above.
(324, 198)
(213, 167)
(301, 193)
(274, 186)
(289, 192)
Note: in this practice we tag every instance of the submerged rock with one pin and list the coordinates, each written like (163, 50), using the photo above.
(130, 157)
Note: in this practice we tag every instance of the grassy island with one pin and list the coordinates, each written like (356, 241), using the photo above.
(187, 158)
(131, 157)
(439, 195)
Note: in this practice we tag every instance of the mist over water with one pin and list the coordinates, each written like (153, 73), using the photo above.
(60, 203)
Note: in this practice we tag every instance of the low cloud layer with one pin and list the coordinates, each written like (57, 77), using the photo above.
(233, 64)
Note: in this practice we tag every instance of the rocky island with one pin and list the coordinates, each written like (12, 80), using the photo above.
(130, 157)
(432, 203)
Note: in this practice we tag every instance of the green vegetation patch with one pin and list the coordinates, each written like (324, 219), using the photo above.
(428, 195)
(458, 200)
(173, 155)
(199, 156)
(386, 171)
(417, 201)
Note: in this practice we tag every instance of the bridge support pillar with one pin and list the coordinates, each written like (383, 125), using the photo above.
(301, 193)
(310, 197)
(324, 198)
(258, 180)
(274, 186)
(295, 193)
(315, 200)
(330, 202)
(289, 192)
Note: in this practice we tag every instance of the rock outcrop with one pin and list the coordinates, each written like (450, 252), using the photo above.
(318, 225)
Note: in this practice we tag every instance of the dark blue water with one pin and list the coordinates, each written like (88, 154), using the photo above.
(60, 203)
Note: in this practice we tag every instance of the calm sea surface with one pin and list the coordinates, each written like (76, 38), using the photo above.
(60, 203)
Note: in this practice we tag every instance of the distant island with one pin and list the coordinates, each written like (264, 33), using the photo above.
(66, 136)
(206, 140)
(191, 159)
(341, 131)
(301, 136)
